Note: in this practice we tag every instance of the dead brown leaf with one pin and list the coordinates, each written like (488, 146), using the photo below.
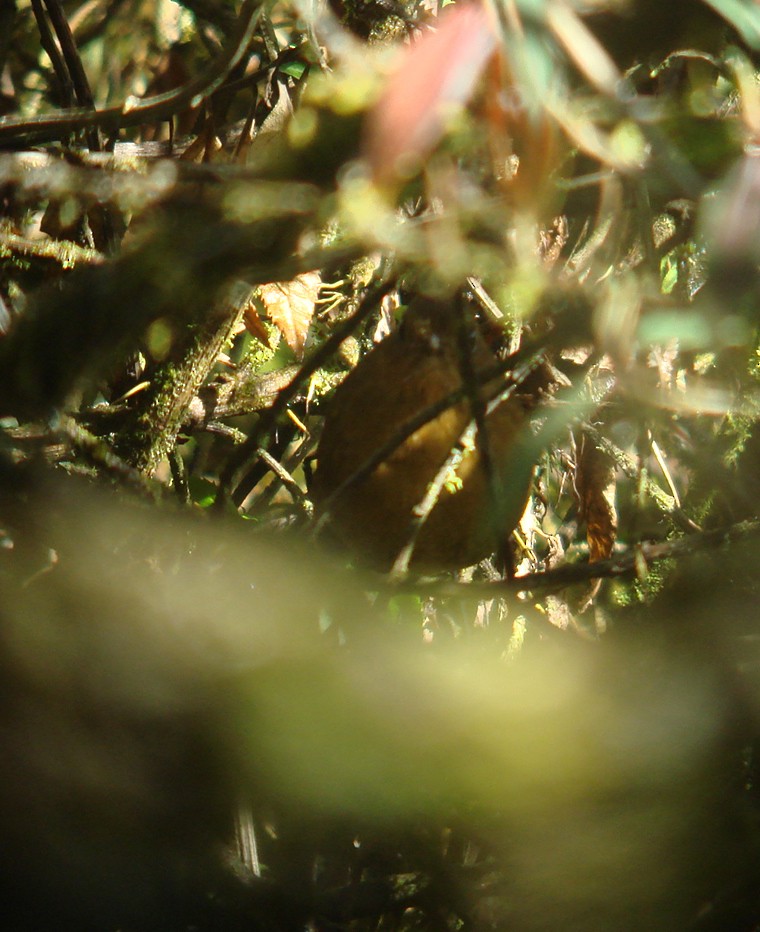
(290, 307)
(253, 323)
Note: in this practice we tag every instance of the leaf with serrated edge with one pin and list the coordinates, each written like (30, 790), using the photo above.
(290, 307)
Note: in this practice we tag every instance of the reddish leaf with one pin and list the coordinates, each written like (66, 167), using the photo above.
(438, 71)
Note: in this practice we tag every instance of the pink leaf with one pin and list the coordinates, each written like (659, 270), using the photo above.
(437, 72)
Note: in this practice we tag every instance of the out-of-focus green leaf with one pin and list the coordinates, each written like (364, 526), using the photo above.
(690, 328)
(710, 145)
(743, 16)
(295, 69)
(670, 274)
(202, 492)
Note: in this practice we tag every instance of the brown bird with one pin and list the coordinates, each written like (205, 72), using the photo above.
(412, 369)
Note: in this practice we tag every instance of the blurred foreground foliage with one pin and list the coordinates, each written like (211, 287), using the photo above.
(207, 215)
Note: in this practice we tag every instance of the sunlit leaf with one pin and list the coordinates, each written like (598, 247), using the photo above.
(294, 68)
(290, 307)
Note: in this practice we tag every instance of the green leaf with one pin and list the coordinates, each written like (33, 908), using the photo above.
(670, 275)
(295, 69)
(202, 492)
(743, 16)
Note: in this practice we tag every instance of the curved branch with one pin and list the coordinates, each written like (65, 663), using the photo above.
(49, 127)
(625, 564)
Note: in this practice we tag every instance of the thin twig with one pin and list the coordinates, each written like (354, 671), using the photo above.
(299, 496)
(477, 404)
(413, 424)
(422, 511)
(626, 564)
(102, 455)
(667, 504)
(133, 112)
(245, 840)
(65, 253)
(295, 453)
(179, 475)
(74, 65)
(677, 507)
(53, 52)
(249, 450)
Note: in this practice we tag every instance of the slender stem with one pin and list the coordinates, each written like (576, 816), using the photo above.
(132, 112)
(422, 511)
(74, 65)
(54, 54)
(249, 450)
(626, 564)
(413, 424)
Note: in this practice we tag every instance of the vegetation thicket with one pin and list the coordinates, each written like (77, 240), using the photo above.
(379, 449)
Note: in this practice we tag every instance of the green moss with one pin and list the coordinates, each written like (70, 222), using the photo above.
(736, 432)
(655, 580)
(258, 355)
